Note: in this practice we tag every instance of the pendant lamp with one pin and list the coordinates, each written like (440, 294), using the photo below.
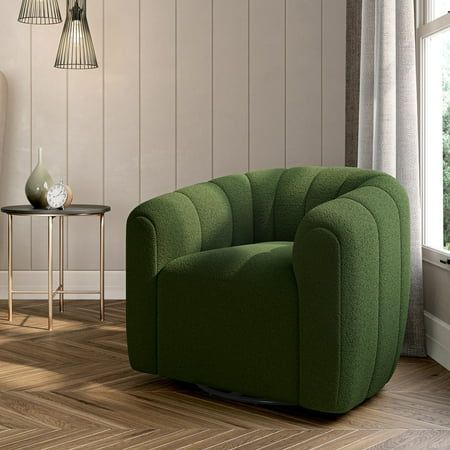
(39, 12)
(76, 49)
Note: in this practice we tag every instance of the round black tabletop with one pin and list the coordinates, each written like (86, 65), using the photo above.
(72, 210)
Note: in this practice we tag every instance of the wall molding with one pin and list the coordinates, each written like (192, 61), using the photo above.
(438, 339)
(89, 280)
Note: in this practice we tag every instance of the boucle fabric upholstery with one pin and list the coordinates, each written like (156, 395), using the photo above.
(285, 284)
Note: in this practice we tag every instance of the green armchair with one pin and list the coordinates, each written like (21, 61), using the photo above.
(290, 285)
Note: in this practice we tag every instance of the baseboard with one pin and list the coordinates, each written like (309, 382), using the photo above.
(87, 280)
(438, 339)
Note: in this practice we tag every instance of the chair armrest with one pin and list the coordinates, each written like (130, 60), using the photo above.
(158, 231)
(351, 261)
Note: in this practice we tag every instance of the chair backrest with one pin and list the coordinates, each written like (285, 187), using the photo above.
(266, 205)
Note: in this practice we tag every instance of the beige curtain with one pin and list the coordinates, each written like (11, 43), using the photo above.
(387, 132)
(353, 62)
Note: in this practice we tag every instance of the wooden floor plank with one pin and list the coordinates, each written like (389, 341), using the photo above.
(417, 440)
(329, 437)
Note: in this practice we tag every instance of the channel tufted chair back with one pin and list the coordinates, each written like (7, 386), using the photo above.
(261, 206)
(339, 238)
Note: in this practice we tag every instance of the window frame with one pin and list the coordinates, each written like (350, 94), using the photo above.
(425, 28)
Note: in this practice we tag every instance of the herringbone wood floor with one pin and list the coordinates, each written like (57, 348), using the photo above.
(73, 388)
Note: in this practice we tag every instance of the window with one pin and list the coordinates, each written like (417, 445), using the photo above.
(437, 8)
(434, 45)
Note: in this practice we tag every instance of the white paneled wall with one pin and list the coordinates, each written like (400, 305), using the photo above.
(158, 97)
(267, 83)
(304, 62)
(15, 62)
(186, 90)
(230, 87)
(85, 148)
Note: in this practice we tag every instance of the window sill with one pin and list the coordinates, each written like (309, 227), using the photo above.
(434, 257)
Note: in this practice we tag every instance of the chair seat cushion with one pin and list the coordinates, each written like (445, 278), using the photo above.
(228, 318)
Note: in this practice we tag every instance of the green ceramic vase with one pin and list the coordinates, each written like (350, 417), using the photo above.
(38, 184)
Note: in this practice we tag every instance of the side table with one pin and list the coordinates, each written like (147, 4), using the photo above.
(51, 214)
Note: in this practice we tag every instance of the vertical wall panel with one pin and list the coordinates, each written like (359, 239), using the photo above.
(267, 84)
(49, 125)
(85, 148)
(15, 162)
(194, 96)
(121, 157)
(158, 72)
(304, 82)
(333, 63)
(230, 87)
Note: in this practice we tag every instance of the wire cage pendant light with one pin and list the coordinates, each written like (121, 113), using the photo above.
(76, 49)
(40, 12)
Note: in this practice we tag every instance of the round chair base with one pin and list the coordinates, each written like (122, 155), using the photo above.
(236, 397)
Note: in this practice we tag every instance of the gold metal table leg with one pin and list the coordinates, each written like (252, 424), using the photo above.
(50, 273)
(10, 268)
(61, 263)
(102, 267)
